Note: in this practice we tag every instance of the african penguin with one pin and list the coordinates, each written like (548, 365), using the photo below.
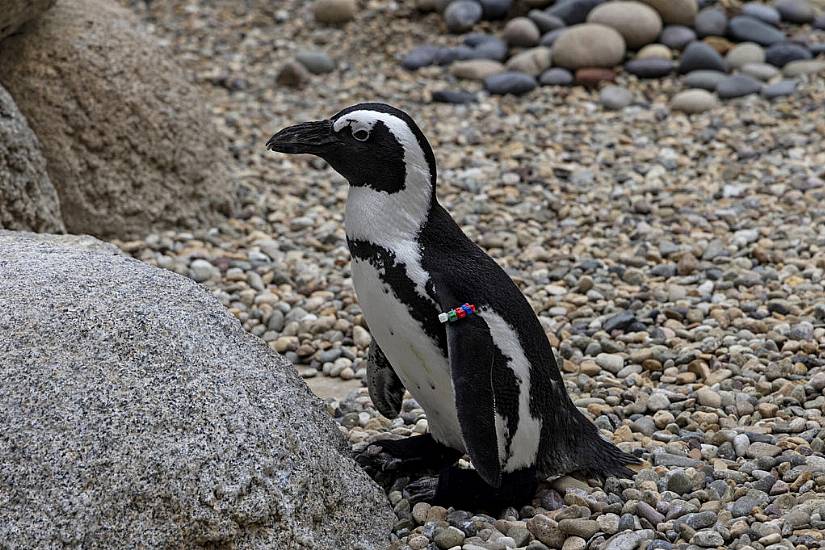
(488, 382)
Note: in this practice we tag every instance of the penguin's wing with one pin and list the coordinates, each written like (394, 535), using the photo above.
(386, 389)
(472, 358)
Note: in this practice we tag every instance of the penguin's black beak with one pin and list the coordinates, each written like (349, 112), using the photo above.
(312, 138)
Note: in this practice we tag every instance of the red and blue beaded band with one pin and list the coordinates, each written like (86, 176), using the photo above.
(460, 312)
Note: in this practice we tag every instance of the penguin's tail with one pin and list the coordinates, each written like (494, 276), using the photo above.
(604, 459)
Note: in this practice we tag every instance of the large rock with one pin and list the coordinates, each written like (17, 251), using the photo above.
(127, 141)
(28, 200)
(675, 12)
(17, 12)
(638, 23)
(588, 45)
(137, 413)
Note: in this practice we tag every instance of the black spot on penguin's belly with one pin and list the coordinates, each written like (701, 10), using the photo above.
(394, 274)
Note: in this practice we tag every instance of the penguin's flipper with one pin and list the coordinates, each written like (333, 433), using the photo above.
(470, 347)
(386, 389)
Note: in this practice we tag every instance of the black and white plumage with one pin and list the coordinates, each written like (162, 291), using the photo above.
(489, 383)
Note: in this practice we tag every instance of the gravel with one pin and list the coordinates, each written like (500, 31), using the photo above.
(706, 227)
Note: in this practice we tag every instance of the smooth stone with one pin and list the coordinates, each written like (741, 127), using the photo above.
(545, 22)
(699, 56)
(760, 71)
(795, 11)
(650, 68)
(510, 83)
(779, 89)
(476, 69)
(693, 101)
(628, 540)
(521, 32)
(334, 12)
(462, 15)
(556, 77)
(591, 77)
(420, 56)
(293, 75)
(456, 97)
(446, 56)
(819, 22)
(675, 12)
(588, 45)
(677, 37)
(763, 12)
(572, 12)
(492, 47)
(533, 61)
(638, 23)
(615, 98)
(719, 43)
(744, 53)
(549, 38)
(707, 539)
(749, 29)
(316, 62)
(495, 9)
(655, 51)
(798, 68)
(711, 22)
(783, 53)
(738, 85)
(706, 80)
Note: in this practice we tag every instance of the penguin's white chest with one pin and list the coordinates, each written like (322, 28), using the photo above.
(414, 356)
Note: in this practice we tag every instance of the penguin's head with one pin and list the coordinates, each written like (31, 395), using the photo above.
(372, 145)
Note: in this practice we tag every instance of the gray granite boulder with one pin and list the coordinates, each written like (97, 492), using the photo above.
(137, 413)
(28, 201)
(17, 12)
(128, 142)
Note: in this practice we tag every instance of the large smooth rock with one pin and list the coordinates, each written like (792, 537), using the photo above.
(17, 12)
(675, 12)
(28, 201)
(706, 80)
(588, 45)
(677, 36)
(653, 67)
(749, 29)
(533, 61)
(461, 15)
(638, 23)
(693, 101)
(795, 11)
(711, 22)
(128, 143)
(744, 53)
(521, 32)
(782, 53)
(763, 12)
(573, 12)
(510, 82)
(699, 56)
(476, 69)
(334, 12)
(738, 85)
(137, 413)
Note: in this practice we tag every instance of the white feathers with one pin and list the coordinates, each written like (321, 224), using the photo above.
(525, 442)
(414, 356)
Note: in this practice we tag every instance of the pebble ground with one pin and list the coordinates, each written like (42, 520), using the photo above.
(677, 264)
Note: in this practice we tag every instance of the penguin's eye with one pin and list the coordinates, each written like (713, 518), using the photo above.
(361, 135)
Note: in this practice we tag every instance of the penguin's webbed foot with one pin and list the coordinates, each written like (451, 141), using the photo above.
(423, 489)
(465, 489)
(419, 454)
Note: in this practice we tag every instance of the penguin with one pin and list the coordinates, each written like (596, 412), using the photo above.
(448, 325)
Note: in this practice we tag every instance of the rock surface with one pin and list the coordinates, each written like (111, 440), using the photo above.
(139, 413)
(135, 149)
(28, 200)
(638, 23)
(675, 12)
(588, 45)
(17, 12)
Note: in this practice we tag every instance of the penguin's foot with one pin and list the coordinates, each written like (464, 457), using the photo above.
(465, 489)
(418, 454)
(423, 489)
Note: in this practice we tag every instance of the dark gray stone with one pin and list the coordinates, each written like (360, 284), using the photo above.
(510, 83)
(706, 80)
(453, 96)
(711, 22)
(779, 89)
(650, 68)
(783, 53)
(495, 9)
(494, 48)
(819, 22)
(795, 11)
(699, 56)
(615, 97)
(545, 22)
(420, 56)
(749, 29)
(556, 77)
(461, 15)
(738, 85)
(316, 62)
(763, 12)
(137, 412)
(548, 39)
(445, 56)
(573, 12)
(677, 37)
